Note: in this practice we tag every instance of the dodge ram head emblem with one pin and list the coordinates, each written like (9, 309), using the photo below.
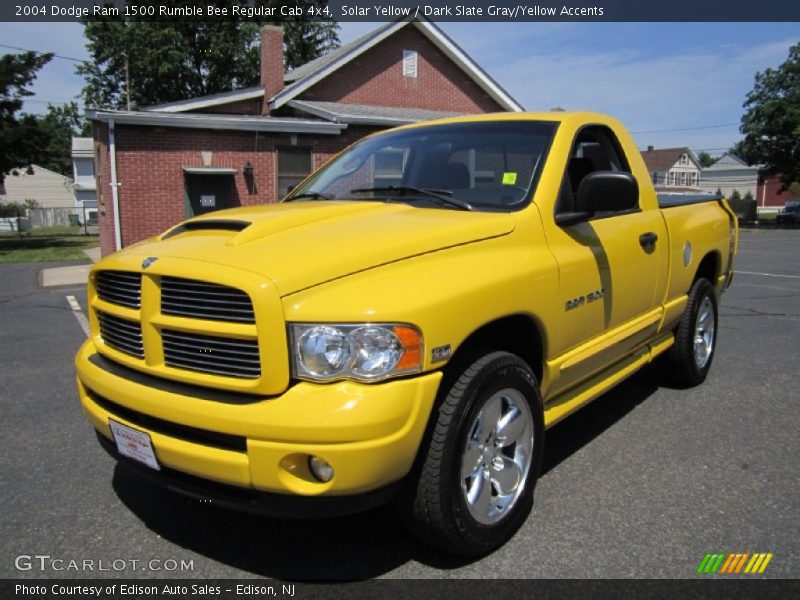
(149, 261)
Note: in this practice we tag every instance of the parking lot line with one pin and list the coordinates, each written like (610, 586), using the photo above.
(76, 310)
(767, 274)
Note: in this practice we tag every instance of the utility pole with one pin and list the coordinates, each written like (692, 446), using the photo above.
(127, 84)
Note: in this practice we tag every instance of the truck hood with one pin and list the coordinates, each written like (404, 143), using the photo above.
(302, 244)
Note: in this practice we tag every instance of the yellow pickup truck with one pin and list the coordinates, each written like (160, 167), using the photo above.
(405, 325)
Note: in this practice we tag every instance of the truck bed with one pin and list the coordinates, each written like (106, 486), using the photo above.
(671, 200)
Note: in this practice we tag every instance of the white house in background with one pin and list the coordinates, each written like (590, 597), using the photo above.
(48, 188)
(730, 173)
(83, 173)
(673, 170)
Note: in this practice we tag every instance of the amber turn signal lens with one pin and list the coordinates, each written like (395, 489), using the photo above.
(412, 343)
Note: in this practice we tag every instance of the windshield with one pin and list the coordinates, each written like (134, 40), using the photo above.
(477, 165)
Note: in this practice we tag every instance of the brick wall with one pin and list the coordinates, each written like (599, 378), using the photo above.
(102, 175)
(376, 78)
(151, 179)
(770, 192)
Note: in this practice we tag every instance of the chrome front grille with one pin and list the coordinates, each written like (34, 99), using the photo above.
(120, 287)
(198, 299)
(211, 354)
(121, 334)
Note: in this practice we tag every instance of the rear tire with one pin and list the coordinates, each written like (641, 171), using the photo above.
(473, 487)
(687, 363)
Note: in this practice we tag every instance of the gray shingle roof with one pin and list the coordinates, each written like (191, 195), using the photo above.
(345, 112)
(730, 162)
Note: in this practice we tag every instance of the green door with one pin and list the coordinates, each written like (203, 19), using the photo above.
(206, 193)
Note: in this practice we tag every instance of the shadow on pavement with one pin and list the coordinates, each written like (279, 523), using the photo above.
(580, 428)
(357, 547)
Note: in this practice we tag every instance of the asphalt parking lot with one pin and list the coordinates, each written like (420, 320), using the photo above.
(642, 483)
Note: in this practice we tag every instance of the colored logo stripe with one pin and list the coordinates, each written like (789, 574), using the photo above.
(758, 563)
(734, 562)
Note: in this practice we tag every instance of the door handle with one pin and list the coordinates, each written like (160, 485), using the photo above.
(648, 239)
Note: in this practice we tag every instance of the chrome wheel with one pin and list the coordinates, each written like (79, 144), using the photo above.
(497, 456)
(704, 333)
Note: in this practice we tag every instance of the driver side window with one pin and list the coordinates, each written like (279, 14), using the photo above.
(595, 149)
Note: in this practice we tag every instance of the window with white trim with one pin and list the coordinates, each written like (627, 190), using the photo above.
(294, 165)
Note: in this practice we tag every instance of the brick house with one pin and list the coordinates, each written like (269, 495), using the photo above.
(673, 170)
(165, 163)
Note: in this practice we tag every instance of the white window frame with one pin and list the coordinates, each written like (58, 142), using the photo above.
(410, 63)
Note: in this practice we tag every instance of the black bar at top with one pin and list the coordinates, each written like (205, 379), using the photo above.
(511, 11)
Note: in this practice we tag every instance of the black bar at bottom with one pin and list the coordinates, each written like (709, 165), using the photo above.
(463, 589)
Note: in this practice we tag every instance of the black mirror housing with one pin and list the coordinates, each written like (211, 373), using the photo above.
(608, 191)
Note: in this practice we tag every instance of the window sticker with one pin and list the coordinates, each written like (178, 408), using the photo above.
(509, 178)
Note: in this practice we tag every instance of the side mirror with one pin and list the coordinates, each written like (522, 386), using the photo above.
(607, 191)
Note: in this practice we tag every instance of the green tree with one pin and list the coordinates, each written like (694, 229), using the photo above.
(179, 59)
(59, 125)
(705, 159)
(22, 140)
(794, 189)
(738, 150)
(771, 122)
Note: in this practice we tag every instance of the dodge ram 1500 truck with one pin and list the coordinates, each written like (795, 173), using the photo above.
(405, 324)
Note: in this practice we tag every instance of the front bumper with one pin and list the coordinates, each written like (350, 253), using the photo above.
(369, 433)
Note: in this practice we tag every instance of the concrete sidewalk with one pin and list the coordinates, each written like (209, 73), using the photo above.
(71, 275)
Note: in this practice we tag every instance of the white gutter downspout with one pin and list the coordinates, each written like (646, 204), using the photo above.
(112, 150)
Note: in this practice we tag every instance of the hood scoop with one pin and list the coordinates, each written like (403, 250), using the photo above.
(208, 225)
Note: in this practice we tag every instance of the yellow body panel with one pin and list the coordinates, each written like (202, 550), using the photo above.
(447, 272)
(369, 433)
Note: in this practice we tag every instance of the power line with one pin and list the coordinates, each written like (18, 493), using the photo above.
(78, 60)
(50, 101)
(686, 128)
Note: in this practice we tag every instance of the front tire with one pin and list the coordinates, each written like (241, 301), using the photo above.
(688, 361)
(474, 485)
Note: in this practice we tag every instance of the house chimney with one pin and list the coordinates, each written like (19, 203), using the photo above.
(271, 62)
(650, 148)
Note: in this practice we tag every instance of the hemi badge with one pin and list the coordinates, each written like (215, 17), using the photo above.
(441, 353)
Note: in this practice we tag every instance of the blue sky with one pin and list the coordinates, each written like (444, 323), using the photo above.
(672, 84)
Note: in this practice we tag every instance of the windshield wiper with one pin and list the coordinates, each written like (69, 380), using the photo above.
(311, 195)
(444, 196)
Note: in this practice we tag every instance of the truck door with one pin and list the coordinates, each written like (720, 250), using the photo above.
(611, 268)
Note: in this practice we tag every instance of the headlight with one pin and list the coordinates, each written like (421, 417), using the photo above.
(365, 352)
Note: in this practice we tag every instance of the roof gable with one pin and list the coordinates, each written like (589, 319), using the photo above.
(730, 162)
(325, 66)
(305, 76)
(664, 159)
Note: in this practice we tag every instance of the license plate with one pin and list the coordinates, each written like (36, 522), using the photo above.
(134, 444)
